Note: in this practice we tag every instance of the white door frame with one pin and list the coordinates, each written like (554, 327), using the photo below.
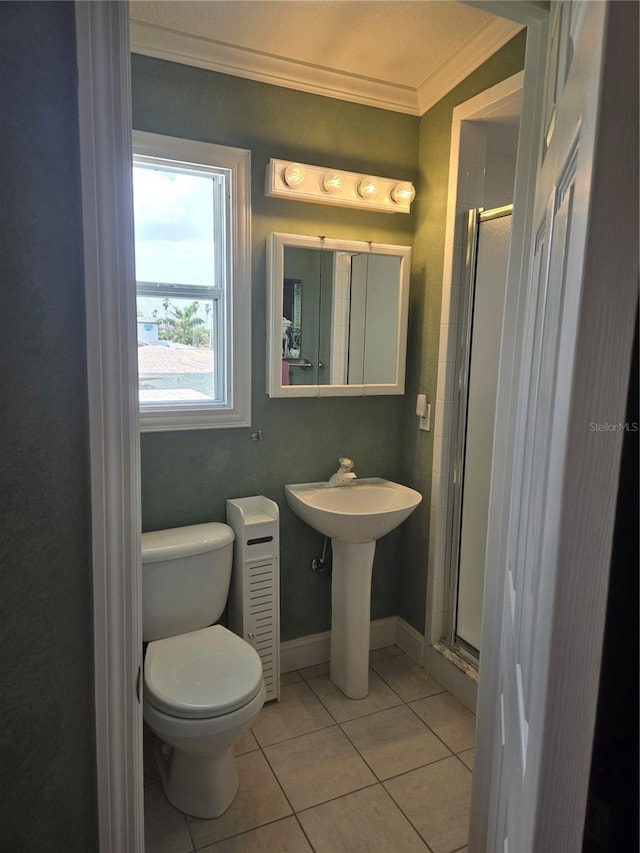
(105, 140)
(535, 17)
(440, 580)
(104, 106)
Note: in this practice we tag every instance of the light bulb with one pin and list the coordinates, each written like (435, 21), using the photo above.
(368, 188)
(294, 176)
(403, 193)
(332, 182)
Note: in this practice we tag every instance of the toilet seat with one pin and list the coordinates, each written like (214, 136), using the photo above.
(202, 674)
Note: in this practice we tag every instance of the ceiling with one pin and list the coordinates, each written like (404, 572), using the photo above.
(402, 55)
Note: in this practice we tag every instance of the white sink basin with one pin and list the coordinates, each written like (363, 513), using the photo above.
(354, 516)
(362, 511)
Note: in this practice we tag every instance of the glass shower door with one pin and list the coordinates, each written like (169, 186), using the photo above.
(487, 259)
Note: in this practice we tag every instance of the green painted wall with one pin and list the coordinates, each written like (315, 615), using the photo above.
(47, 775)
(187, 476)
(424, 311)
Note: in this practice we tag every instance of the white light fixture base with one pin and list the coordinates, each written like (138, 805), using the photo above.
(313, 187)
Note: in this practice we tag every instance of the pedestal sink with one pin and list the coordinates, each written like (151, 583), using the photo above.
(354, 516)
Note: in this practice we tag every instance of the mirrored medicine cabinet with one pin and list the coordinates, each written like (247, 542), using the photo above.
(337, 317)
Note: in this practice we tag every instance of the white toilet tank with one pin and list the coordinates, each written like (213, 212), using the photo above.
(185, 578)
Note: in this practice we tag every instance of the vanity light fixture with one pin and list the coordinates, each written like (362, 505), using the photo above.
(403, 191)
(322, 185)
(294, 175)
(333, 182)
(368, 188)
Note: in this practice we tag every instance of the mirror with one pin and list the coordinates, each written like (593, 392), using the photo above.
(292, 318)
(337, 317)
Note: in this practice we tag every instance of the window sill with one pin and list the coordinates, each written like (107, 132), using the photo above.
(198, 417)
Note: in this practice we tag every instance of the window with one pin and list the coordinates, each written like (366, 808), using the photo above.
(192, 219)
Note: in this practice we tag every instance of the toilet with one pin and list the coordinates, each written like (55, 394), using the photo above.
(203, 685)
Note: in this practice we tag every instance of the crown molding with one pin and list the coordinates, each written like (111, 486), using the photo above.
(173, 46)
(162, 43)
(490, 38)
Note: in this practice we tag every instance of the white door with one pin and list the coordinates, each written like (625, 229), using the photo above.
(581, 298)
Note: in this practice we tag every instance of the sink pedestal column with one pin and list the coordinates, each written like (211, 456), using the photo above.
(351, 616)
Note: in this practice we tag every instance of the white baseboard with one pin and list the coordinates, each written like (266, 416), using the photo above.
(305, 651)
(457, 676)
(409, 640)
(454, 675)
(315, 648)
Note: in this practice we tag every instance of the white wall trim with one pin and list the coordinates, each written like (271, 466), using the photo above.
(315, 648)
(104, 105)
(480, 107)
(454, 674)
(494, 35)
(488, 744)
(305, 651)
(439, 662)
(236, 410)
(409, 640)
(164, 43)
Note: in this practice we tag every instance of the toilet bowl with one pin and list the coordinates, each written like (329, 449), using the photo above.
(203, 688)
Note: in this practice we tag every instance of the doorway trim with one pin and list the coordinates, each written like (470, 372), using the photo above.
(104, 101)
(458, 676)
(104, 113)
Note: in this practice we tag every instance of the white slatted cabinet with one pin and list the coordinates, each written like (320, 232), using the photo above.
(254, 600)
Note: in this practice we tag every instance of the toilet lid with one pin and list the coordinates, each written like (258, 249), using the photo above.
(201, 674)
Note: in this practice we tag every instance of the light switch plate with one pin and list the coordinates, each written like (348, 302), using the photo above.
(425, 422)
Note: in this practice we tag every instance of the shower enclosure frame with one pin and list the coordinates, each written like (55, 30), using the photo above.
(476, 216)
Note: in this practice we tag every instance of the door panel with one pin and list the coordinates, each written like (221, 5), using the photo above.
(533, 530)
(561, 491)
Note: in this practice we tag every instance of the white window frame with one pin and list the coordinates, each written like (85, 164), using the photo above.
(236, 410)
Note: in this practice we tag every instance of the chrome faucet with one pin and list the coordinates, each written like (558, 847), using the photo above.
(344, 476)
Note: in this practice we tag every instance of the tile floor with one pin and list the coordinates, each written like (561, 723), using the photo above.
(320, 772)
